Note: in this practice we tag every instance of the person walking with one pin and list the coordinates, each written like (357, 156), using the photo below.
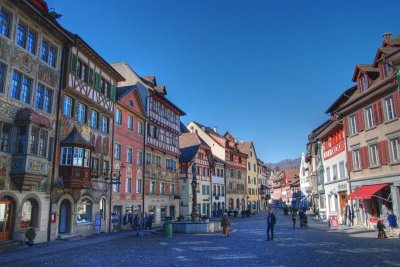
(226, 224)
(114, 221)
(271, 220)
(392, 221)
(294, 218)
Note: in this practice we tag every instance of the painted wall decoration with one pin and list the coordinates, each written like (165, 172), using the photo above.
(5, 50)
(24, 62)
(8, 111)
(48, 75)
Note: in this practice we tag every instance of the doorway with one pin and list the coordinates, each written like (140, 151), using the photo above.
(6, 219)
(172, 212)
(65, 217)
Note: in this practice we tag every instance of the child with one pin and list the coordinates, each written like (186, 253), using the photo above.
(381, 230)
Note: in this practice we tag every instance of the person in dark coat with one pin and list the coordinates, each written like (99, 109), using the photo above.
(381, 229)
(149, 221)
(294, 218)
(271, 220)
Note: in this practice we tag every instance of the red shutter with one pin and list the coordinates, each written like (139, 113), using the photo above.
(349, 160)
(380, 111)
(396, 100)
(360, 120)
(364, 157)
(383, 148)
(346, 126)
(375, 113)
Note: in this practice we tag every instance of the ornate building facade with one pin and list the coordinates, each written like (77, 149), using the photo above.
(32, 44)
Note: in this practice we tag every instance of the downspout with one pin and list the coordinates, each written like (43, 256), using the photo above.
(144, 154)
(57, 132)
(110, 173)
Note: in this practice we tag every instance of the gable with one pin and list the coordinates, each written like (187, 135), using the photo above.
(133, 101)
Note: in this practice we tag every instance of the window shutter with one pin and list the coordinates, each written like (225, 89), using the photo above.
(157, 188)
(147, 187)
(167, 185)
(383, 151)
(91, 76)
(349, 160)
(379, 112)
(113, 92)
(375, 113)
(396, 100)
(398, 81)
(346, 126)
(364, 157)
(74, 62)
(97, 84)
(360, 120)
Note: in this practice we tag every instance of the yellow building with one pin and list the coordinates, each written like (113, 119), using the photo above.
(252, 197)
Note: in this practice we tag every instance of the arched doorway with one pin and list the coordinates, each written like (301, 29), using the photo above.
(65, 217)
(7, 209)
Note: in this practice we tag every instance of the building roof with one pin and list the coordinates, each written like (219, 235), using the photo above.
(245, 147)
(75, 138)
(345, 96)
(27, 115)
(189, 144)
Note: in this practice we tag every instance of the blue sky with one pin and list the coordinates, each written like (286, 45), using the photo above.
(264, 70)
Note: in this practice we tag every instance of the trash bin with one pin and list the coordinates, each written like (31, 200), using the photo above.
(168, 228)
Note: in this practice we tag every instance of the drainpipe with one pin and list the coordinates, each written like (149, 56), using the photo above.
(144, 154)
(111, 168)
(63, 76)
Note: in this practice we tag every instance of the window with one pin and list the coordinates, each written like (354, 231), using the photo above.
(105, 87)
(363, 82)
(29, 214)
(152, 187)
(44, 98)
(3, 70)
(248, 179)
(81, 113)
(232, 174)
(128, 186)
(248, 166)
(394, 146)
(21, 87)
(356, 159)
(254, 168)
(104, 124)
(5, 138)
(48, 53)
(5, 23)
(138, 186)
(162, 188)
(78, 157)
(353, 124)
(118, 116)
(68, 106)
(103, 208)
(239, 175)
(106, 167)
(139, 160)
(34, 140)
(130, 122)
(21, 139)
(116, 187)
(84, 211)
(117, 152)
(389, 108)
(328, 174)
(94, 115)
(172, 189)
(140, 128)
(369, 116)
(222, 173)
(373, 155)
(387, 68)
(170, 164)
(335, 172)
(341, 170)
(86, 160)
(129, 155)
(26, 38)
(148, 158)
(42, 143)
(82, 71)
(66, 156)
(158, 161)
(95, 165)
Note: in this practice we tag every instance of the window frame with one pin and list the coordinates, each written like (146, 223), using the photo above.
(66, 108)
(27, 37)
(356, 159)
(45, 55)
(353, 130)
(373, 155)
(369, 117)
(394, 150)
(388, 103)
(21, 87)
(8, 30)
(118, 116)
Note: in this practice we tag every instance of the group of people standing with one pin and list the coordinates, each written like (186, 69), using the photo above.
(129, 222)
(302, 218)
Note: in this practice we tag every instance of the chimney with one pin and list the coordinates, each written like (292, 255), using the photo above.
(215, 129)
(387, 36)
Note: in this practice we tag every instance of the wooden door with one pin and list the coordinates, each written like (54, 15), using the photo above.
(65, 217)
(6, 219)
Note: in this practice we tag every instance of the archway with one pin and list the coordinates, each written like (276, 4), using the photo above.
(65, 217)
(7, 218)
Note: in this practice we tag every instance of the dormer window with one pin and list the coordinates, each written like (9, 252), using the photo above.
(387, 68)
(363, 82)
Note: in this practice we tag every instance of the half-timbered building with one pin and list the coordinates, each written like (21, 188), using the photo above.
(32, 44)
(81, 201)
(195, 151)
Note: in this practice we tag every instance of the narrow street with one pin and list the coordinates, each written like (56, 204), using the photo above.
(247, 246)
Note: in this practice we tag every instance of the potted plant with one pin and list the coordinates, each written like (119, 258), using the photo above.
(30, 234)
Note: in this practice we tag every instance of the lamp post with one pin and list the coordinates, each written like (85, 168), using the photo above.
(195, 211)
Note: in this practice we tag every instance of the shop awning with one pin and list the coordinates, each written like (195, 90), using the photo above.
(366, 191)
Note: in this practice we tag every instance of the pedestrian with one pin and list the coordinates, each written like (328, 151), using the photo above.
(127, 220)
(381, 229)
(226, 224)
(392, 221)
(350, 216)
(139, 224)
(149, 221)
(145, 219)
(271, 220)
(345, 213)
(114, 221)
(301, 219)
(294, 218)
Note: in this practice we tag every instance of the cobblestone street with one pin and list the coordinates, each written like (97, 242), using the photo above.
(247, 246)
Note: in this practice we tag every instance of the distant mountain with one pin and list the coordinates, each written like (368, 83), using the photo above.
(286, 163)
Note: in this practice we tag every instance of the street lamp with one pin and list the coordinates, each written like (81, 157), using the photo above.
(195, 211)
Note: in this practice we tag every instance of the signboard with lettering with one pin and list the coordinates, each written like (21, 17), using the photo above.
(333, 219)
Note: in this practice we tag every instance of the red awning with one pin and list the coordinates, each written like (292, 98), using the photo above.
(366, 191)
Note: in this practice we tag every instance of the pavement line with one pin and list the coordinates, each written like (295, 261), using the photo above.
(208, 248)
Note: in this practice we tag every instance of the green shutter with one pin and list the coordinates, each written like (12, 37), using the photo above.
(398, 80)
(97, 83)
(113, 92)
(91, 76)
(74, 62)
